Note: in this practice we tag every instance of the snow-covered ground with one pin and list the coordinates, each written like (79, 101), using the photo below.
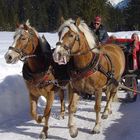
(15, 120)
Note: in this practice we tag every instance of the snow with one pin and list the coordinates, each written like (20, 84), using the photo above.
(124, 34)
(119, 3)
(15, 120)
(115, 2)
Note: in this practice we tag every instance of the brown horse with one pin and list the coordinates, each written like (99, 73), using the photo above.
(93, 68)
(36, 54)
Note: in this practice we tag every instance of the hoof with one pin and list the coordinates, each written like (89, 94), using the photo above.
(104, 116)
(110, 112)
(62, 116)
(39, 119)
(73, 131)
(43, 136)
(95, 131)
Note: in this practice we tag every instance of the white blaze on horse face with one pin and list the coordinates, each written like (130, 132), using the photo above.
(11, 56)
(55, 54)
(15, 41)
(64, 31)
(59, 54)
(17, 35)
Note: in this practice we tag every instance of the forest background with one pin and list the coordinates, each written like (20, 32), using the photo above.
(45, 15)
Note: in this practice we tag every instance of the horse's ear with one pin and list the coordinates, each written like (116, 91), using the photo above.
(62, 20)
(25, 27)
(17, 24)
(27, 22)
(78, 20)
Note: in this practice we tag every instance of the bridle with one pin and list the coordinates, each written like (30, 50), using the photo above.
(69, 48)
(21, 51)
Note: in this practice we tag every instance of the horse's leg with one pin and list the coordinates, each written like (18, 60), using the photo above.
(33, 108)
(107, 93)
(50, 99)
(107, 109)
(73, 99)
(98, 96)
(115, 98)
(61, 96)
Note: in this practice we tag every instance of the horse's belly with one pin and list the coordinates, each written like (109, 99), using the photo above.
(83, 86)
(90, 84)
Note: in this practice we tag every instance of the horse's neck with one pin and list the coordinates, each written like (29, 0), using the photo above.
(81, 61)
(39, 62)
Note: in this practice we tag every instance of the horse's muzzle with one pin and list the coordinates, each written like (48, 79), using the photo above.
(11, 57)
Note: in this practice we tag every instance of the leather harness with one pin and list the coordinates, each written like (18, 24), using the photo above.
(94, 66)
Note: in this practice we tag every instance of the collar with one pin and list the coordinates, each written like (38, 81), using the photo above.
(77, 74)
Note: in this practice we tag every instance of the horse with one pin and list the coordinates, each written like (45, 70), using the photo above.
(93, 69)
(36, 54)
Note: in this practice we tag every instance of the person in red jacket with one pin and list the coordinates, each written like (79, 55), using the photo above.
(136, 51)
(134, 61)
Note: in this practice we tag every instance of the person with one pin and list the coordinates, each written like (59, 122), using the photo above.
(134, 60)
(102, 37)
(99, 30)
(136, 50)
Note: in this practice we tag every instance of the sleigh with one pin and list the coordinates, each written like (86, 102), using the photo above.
(131, 72)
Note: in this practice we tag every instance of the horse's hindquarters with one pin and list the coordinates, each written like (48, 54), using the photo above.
(117, 57)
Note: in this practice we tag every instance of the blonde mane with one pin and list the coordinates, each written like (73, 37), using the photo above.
(83, 28)
(21, 26)
(28, 24)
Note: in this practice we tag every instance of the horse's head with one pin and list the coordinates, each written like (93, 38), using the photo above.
(24, 44)
(72, 34)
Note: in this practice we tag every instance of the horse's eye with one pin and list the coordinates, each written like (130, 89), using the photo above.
(71, 35)
(23, 38)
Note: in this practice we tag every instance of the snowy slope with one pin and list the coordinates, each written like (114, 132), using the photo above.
(115, 2)
(122, 4)
(119, 3)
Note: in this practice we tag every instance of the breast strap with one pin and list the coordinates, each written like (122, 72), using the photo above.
(96, 66)
(110, 73)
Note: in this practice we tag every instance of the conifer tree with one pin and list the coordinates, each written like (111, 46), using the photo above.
(132, 15)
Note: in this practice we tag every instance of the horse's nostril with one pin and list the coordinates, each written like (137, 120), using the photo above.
(59, 54)
(9, 57)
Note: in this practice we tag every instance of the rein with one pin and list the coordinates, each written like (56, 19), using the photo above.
(82, 53)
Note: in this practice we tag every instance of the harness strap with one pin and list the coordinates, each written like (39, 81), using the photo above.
(110, 73)
(92, 65)
(96, 66)
(87, 71)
